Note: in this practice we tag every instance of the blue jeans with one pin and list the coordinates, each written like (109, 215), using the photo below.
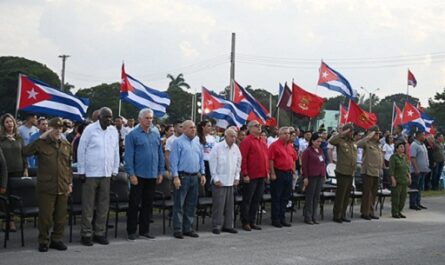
(417, 182)
(184, 204)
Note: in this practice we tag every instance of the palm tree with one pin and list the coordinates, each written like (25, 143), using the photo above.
(178, 82)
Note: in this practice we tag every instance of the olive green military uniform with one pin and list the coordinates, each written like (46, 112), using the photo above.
(399, 169)
(371, 165)
(344, 172)
(54, 177)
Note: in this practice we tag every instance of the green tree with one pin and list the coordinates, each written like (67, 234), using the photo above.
(178, 82)
(181, 104)
(437, 110)
(10, 67)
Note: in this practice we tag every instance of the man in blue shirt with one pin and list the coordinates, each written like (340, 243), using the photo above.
(186, 165)
(144, 163)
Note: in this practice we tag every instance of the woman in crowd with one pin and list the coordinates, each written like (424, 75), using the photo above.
(207, 142)
(263, 136)
(400, 179)
(169, 131)
(314, 174)
(12, 144)
(388, 149)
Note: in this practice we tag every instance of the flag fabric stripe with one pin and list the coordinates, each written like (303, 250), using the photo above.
(151, 94)
(335, 81)
(55, 109)
(141, 103)
(259, 110)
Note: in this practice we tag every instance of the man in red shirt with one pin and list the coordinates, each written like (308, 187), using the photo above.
(282, 158)
(255, 170)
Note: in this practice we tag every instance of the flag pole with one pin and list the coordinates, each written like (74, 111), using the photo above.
(120, 106)
(392, 116)
(18, 96)
(339, 115)
(278, 117)
(407, 88)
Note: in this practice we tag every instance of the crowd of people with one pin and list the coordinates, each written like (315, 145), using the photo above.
(196, 156)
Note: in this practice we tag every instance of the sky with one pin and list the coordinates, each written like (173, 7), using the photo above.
(371, 42)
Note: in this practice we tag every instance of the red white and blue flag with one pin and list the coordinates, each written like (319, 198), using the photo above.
(284, 98)
(258, 112)
(411, 79)
(333, 80)
(37, 97)
(412, 116)
(224, 111)
(142, 96)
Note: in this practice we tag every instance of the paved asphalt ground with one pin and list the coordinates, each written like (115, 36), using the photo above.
(419, 239)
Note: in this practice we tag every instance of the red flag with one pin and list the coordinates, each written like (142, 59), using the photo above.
(398, 117)
(305, 103)
(360, 117)
(343, 115)
(410, 113)
(411, 79)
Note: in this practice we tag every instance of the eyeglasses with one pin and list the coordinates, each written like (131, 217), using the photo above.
(257, 125)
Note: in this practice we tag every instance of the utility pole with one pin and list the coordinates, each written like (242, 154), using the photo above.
(63, 56)
(232, 67)
(370, 96)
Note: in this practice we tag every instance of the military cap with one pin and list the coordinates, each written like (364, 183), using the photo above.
(375, 129)
(348, 126)
(55, 123)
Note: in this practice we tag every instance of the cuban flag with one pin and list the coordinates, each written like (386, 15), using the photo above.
(141, 96)
(412, 116)
(37, 97)
(224, 111)
(333, 80)
(411, 79)
(258, 112)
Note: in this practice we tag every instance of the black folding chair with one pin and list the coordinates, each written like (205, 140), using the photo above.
(119, 198)
(4, 214)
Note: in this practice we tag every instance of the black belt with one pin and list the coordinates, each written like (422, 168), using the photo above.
(183, 173)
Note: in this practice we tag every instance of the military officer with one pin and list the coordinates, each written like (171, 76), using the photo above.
(345, 169)
(372, 164)
(54, 183)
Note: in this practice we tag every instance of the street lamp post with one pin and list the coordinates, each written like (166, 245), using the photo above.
(370, 96)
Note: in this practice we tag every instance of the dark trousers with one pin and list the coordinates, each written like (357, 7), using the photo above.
(280, 191)
(52, 215)
(416, 183)
(370, 187)
(312, 197)
(436, 172)
(141, 194)
(208, 185)
(252, 194)
(342, 194)
(398, 198)
(184, 204)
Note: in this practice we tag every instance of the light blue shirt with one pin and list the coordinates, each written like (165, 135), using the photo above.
(144, 156)
(186, 155)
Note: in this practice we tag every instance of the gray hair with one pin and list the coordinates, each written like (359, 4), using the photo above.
(104, 110)
(142, 112)
(230, 131)
(251, 124)
(282, 129)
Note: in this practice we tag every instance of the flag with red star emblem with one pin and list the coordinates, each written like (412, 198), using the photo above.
(259, 112)
(305, 103)
(397, 117)
(360, 117)
(37, 97)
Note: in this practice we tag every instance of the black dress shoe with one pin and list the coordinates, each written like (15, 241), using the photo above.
(415, 208)
(396, 216)
(309, 222)
(132, 237)
(147, 235)
(422, 207)
(247, 228)
(286, 224)
(402, 216)
(86, 241)
(230, 230)
(101, 240)
(216, 231)
(346, 220)
(338, 220)
(315, 222)
(178, 235)
(58, 245)
(43, 248)
(374, 217)
(277, 224)
(366, 217)
(255, 227)
(191, 234)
